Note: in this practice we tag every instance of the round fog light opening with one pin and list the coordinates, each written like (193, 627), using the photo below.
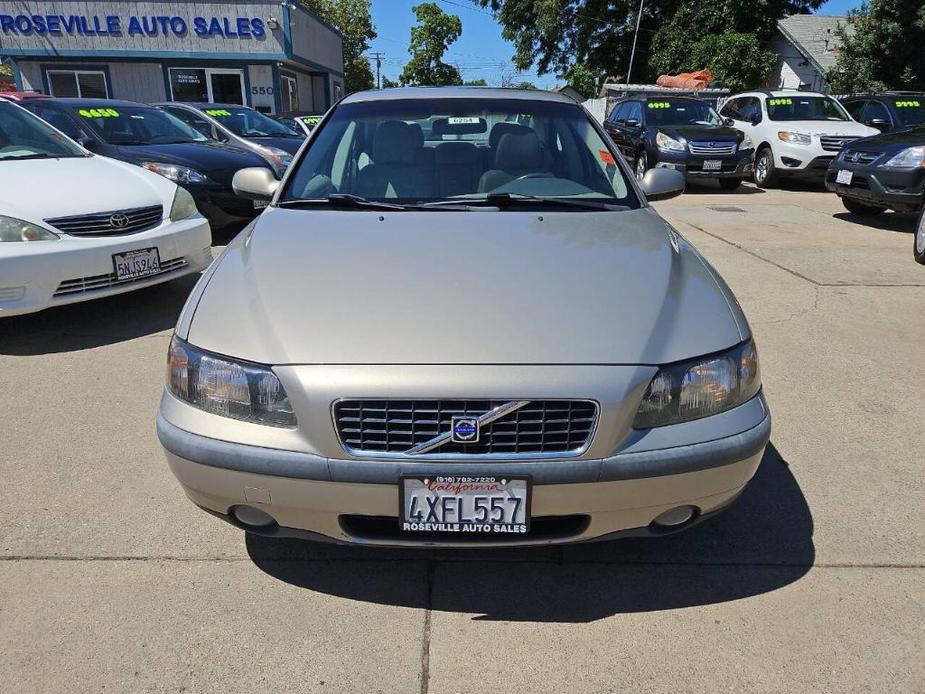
(254, 517)
(675, 516)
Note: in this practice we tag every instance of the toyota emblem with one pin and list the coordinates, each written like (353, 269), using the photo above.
(118, 221)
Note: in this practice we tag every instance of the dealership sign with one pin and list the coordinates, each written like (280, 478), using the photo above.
(115, 25)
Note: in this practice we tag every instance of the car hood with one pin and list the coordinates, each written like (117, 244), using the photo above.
(480, 287)
(899, 139)
(287, 144)
(37, 189)
(826, 128)
(719, 133)
(219, 162)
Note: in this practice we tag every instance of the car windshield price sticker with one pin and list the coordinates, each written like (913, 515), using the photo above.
(99, 113)
(780, 102)
(908, 104)
(218, 112)
(659, 104)
(459, 504)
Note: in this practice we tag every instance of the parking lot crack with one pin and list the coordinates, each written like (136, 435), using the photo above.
(425, 640)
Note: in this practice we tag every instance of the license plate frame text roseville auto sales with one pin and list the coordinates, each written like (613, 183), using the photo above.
(465, 504)
(132, 265)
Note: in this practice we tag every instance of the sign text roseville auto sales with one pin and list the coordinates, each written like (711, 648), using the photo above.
(115, 25)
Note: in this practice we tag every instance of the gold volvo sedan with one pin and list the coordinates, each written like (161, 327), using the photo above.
(460, 323)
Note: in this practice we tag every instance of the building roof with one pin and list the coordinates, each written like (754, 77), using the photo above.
(456, 93)
(814, 36)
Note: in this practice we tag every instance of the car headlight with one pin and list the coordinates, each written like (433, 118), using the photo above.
(668, 143)
(909, 158)
(218, 385)
(746, 143)
(794, 138)
(12, 229)
(700, 387)
(177, 174)
(183, 205)
(280, 158)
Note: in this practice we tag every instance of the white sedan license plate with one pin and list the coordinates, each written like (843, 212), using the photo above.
(134, 264)
(463, 504)
(844, 177)
(712, 165)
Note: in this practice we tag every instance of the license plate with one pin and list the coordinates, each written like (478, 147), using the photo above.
(260, 204)
(844, 177)
(134, 264)
(462, 504)
(712, 165)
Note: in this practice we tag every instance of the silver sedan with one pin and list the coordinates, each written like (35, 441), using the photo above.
(459, 322)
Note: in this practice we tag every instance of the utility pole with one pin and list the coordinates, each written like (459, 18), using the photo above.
(378, 56)
(629, 72)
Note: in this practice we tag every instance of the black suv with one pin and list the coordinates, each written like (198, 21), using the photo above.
(885, 171)
(887, 111)
(681, 133)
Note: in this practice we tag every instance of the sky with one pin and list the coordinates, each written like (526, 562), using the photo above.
(480, 52)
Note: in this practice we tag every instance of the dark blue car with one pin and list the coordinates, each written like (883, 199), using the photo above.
(147, 136)
(681, 133)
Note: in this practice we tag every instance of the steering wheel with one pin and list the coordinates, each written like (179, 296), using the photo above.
(538, 174)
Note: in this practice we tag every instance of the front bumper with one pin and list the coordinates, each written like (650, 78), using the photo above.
(41, 274)
(899, 189)
(314, 496)
(738, 165)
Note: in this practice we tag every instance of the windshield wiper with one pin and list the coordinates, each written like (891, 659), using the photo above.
(20, 157)
(345, 200)
(510, 200)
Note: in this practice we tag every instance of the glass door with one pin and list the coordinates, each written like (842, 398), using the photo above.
(227, 86)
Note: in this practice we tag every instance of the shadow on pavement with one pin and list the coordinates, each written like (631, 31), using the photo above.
(96, 322)
(712, 188)
(887, 221)
(762, 543)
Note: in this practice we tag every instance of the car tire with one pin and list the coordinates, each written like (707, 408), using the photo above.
(765, 170)
(918, 243)
(641, 166)
(729, 183)
(861, 209)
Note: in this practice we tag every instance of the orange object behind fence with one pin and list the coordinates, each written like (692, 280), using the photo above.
(686, 80)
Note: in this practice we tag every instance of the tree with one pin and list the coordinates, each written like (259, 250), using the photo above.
(883, 49)
(475, 83)
(581, 78)
(353, 19)
(434, 33)
(674, 35)
(389, 84)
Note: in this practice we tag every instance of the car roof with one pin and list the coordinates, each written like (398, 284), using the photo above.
(200, 105)
(430, 93)
(23, 96)
(92, 103)
(296, 114)
(880, 95)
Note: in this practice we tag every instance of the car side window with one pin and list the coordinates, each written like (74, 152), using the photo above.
(750, 109)
(876, 110)
(731, 109)
(196, 122)
(619, 112)
(634, 111)
(59, 120)
(854, 108)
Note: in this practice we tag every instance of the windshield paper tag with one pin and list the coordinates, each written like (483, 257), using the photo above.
(99, 113)
(218, 112)
(606, 157)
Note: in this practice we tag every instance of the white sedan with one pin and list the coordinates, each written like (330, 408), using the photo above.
(75, 226)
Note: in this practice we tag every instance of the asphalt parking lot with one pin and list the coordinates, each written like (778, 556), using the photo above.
(110, 580)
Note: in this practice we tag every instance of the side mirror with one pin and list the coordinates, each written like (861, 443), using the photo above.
(255, 183)
(755, 119)
(631, 123)
(661, 184)
(729, 123)
(87, 142)
(878, 123)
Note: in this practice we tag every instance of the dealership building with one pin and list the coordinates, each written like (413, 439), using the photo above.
(274, 56)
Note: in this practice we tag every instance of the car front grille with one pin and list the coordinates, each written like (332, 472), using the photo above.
(114, 223)
(82, 285)
(831, 143)
(708, 149)
(857, 157)
(416, 428)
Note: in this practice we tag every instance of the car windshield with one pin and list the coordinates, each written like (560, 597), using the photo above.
(23, 136)
(249, 123)
(911, 110)
(137, 125)
(680, 112)
(464, 150)
(805, 108)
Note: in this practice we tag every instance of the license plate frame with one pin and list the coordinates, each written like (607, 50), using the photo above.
(713, 165)
(521, 486)
(844, 177)
(125, 269)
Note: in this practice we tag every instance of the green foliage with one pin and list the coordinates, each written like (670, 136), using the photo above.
(884, 50)
(475, 83)
(584, 80)
(727, 36)
(389, 84)
(434, 33)
(353, 19)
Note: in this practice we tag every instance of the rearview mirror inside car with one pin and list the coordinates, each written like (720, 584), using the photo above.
(661, 184)
(255, 183)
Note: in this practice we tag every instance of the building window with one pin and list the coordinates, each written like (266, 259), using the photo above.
(290, 95)
(86, 84)
(207, 85)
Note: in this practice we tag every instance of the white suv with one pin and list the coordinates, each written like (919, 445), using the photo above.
(795, 133)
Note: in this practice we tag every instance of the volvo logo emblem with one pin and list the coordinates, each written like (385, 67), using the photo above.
(464, 429)
(118, 221)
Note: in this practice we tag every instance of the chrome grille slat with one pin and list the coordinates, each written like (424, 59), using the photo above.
(98, 224)
(834, 143)
(80, 285)
(723, 149)
(400, 428)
